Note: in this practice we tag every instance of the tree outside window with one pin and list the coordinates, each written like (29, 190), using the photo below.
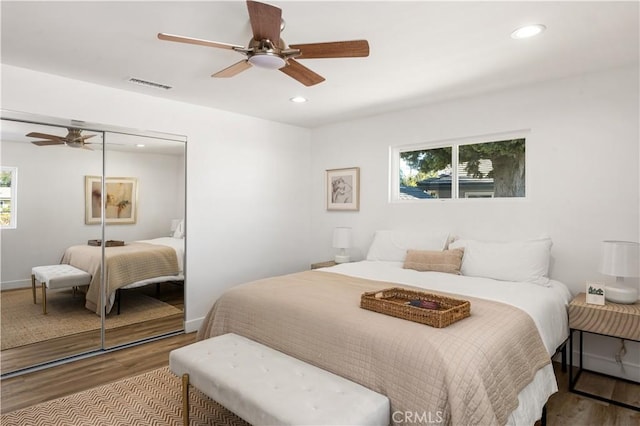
(494, 169)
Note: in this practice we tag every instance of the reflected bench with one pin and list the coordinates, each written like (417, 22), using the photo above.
(55, 277)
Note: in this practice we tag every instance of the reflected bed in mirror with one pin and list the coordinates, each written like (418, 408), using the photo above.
(127, 266)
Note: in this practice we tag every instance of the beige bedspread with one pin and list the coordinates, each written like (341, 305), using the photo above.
(124, 265)
(468, 373)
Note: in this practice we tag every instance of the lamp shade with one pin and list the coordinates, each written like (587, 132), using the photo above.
(342, 238)
(620, 259)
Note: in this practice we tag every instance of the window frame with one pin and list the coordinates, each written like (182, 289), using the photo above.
(13, 197)
(454, 144)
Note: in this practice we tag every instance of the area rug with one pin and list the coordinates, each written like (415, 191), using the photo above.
(152, 398)
(23, 322)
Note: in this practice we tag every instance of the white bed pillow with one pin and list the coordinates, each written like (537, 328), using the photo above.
(522, 261)
(392, 246)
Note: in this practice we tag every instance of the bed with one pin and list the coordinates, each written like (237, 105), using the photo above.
(490, 368)
(135, 264)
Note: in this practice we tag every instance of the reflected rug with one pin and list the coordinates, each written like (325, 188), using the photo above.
(23, 322)
(152, 398)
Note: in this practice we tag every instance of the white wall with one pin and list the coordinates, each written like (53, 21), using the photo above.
(245, 216)
(582, 160)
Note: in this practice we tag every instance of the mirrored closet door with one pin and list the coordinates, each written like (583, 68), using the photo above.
(144, 209)
(121, 238)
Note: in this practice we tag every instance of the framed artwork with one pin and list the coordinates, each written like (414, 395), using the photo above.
(120, 204)
(343, 189)
(595, 293)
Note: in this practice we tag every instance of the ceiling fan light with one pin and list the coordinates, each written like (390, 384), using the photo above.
(267, 60)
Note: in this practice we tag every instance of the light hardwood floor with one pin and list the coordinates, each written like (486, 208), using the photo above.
(563, 408)
(55, 382)
(42, 352)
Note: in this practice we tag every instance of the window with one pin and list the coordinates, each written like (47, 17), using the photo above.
(8, 190)
(471, 169)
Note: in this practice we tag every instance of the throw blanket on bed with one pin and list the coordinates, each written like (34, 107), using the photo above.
(124, 265)
(469, 373)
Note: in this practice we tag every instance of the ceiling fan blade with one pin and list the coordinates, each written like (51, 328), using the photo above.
(335, 49)
(198, 41)
(301, 73)
(265, 21)
(45, 136)
(84, 138)
(49, 142)
(234, 69)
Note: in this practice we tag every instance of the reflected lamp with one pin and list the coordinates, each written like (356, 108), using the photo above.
(174, 225)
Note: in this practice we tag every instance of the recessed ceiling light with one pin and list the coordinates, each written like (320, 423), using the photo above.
(139, 145)
(298, 99)
(528, 31)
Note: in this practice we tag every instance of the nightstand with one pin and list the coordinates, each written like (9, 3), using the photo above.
(323, 264)
(610, 319)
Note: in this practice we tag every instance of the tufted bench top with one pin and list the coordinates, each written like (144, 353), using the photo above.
(60, 276)
(267, 387)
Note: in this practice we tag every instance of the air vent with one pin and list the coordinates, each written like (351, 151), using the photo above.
(148, 83)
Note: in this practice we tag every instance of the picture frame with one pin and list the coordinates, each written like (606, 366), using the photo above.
(343, 189)
(595, 293)
(121, 202)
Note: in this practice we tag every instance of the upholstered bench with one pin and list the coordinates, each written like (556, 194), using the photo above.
(56, 277)
(267, 387)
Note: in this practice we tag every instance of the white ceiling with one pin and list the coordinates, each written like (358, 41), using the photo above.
(421, 52)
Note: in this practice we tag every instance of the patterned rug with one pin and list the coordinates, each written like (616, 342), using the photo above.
(23, 322)
(152, 398)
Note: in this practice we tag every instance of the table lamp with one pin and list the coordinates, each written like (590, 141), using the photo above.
(342, 241)
(620, 259)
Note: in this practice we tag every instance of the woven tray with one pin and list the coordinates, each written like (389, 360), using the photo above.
(109, 243)
(393, 301)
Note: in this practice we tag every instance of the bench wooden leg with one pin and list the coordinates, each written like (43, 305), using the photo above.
(33, 287)
(185, 399)
(44, 298)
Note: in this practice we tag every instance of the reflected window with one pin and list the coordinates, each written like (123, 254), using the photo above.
(8, 197)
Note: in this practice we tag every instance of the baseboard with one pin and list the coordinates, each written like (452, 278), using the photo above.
(626, 370)
(13, 285)
(193, 325)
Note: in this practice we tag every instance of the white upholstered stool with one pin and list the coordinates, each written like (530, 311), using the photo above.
(267, 387)
(56, 277)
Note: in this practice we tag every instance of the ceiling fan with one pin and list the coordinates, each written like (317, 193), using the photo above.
(267, 50)
(74, 139)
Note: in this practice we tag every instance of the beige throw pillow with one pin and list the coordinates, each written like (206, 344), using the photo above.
(448, 261)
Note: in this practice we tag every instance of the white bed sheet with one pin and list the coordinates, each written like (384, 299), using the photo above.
(547, 306)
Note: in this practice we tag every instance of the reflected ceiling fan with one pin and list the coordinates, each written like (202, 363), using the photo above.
(267, 50)
(74, 139)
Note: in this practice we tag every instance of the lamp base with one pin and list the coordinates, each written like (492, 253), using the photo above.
(625, 295)
(342, 258)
